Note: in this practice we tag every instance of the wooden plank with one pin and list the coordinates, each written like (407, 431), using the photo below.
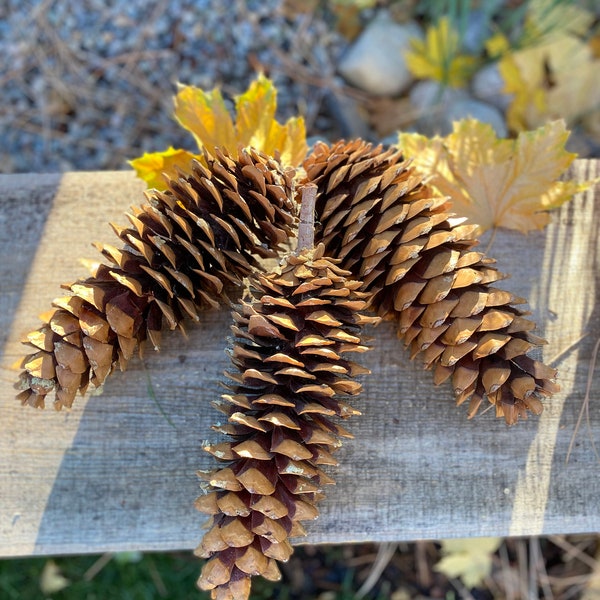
(118, 471)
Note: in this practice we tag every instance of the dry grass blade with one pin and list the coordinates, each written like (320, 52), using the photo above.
(537, 569)
(585, 406)
(573, 551)
(385, 552)
(506, 573)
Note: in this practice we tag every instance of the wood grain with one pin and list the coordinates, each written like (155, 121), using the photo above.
(118, 471)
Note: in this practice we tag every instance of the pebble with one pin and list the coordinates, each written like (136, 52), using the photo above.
(488, 85)
(439, 106)
(430, 99)
(475, 109)
(375, 63)
(428, 93)
(477, 31)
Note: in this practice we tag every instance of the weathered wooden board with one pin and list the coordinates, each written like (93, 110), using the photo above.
(118, 471)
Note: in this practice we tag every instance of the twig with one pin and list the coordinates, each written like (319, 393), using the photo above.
(505, 562)
(521, 549)
(423, 570)
(465, 594)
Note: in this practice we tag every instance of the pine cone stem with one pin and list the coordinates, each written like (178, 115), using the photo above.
(306, 227)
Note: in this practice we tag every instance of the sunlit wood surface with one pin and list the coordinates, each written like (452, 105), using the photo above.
(118, 471)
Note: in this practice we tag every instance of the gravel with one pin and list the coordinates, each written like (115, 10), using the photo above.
(88, 85)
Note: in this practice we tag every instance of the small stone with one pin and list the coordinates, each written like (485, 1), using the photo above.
(477, 31)
(375, 61)
(439, 106)
(488, 85)
(348, 114)
(431, 100)
(428, 93)
(582, 143)
(475, 109)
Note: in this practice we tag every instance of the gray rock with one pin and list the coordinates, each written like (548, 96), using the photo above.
(439, 106)
(582, 143)
(348, 115)
(486, 113)
(476, 32)
(487, 85)
(430, 100)
(428, 93)
(375, 61)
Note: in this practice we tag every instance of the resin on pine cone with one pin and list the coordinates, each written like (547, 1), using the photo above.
(292, 371)
(393, 233)
(184, 248)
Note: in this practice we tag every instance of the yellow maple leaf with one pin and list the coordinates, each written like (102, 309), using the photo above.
(153, 166)
(51, 579)
(437, 57)
(256, 124)
(497, 182)
(556, 79)
(206, 116)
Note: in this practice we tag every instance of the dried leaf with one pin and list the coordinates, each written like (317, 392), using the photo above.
(469, 559)
(256, 124)
(51, 579)
(547, 20)
(437, 57)
(556, 79)
(497, 182)
(206, 116)
(151, 166)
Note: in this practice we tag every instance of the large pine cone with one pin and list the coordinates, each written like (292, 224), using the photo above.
(291, 373)
(184, 248)
(393, 233)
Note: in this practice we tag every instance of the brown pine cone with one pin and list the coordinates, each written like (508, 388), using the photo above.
(392, 232)
(184, 248)
(291, 372)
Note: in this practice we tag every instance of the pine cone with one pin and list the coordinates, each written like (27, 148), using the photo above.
(289, 353)
(184, 248)
(392, 232)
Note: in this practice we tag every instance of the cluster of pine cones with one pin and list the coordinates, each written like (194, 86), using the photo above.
(384, 243)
